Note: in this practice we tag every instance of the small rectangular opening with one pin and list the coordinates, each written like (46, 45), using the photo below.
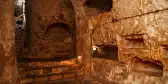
(106, 52)
(134, 41)
(95, 7)
(165, 51)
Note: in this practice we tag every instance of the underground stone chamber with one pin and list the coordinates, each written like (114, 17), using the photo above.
(83, 42)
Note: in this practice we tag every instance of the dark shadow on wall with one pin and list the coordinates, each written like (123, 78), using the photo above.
(95, 7)
(61, 25)
(102, 5)
(68, 4)
(106, 52)
(135, 41)
(148, 67)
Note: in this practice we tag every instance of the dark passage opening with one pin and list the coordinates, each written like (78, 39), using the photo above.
(21, 29)
(102, 5)
(106, 52)
(94, 7)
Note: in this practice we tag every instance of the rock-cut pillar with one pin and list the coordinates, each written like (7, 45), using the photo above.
(8, 68)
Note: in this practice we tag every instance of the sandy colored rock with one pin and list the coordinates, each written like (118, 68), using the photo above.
(8, 68)
(53, 26)
(123, 9)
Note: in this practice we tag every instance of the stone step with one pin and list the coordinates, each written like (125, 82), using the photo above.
(48, 70)
(30, 64)
(18, 50)
(18, 47)
(52, 67)
(35, 71)
(18, 38)
(46, 61)
(52, 74)
(65, 74)
(18, 41)
(25, 50)
(18, 35)
(51, 80)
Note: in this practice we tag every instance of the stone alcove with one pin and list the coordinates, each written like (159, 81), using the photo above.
(148, 67)
(49, 17)
(135, 41)
(95, 7)
(106, 52)
(61, 40)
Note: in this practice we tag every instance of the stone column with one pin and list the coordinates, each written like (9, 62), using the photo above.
(83, 34)
(8, 68)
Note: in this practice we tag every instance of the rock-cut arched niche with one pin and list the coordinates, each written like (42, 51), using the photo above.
(61, 40)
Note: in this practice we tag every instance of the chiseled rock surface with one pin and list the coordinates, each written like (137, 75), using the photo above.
(122, 9)
(83, 33)
(112, 72)
(44, 14)
(139, 32)
(152, 28)
(136, 19)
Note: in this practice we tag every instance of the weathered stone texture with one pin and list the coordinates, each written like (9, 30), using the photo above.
(8, 68)
(49, 15)
(139, 33)
(152, 28)
(83, 33)
(123, 9)
(138, 27)
(112, 72)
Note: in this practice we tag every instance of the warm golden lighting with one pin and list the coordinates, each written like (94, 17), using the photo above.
(94, 48)
(79, 57)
